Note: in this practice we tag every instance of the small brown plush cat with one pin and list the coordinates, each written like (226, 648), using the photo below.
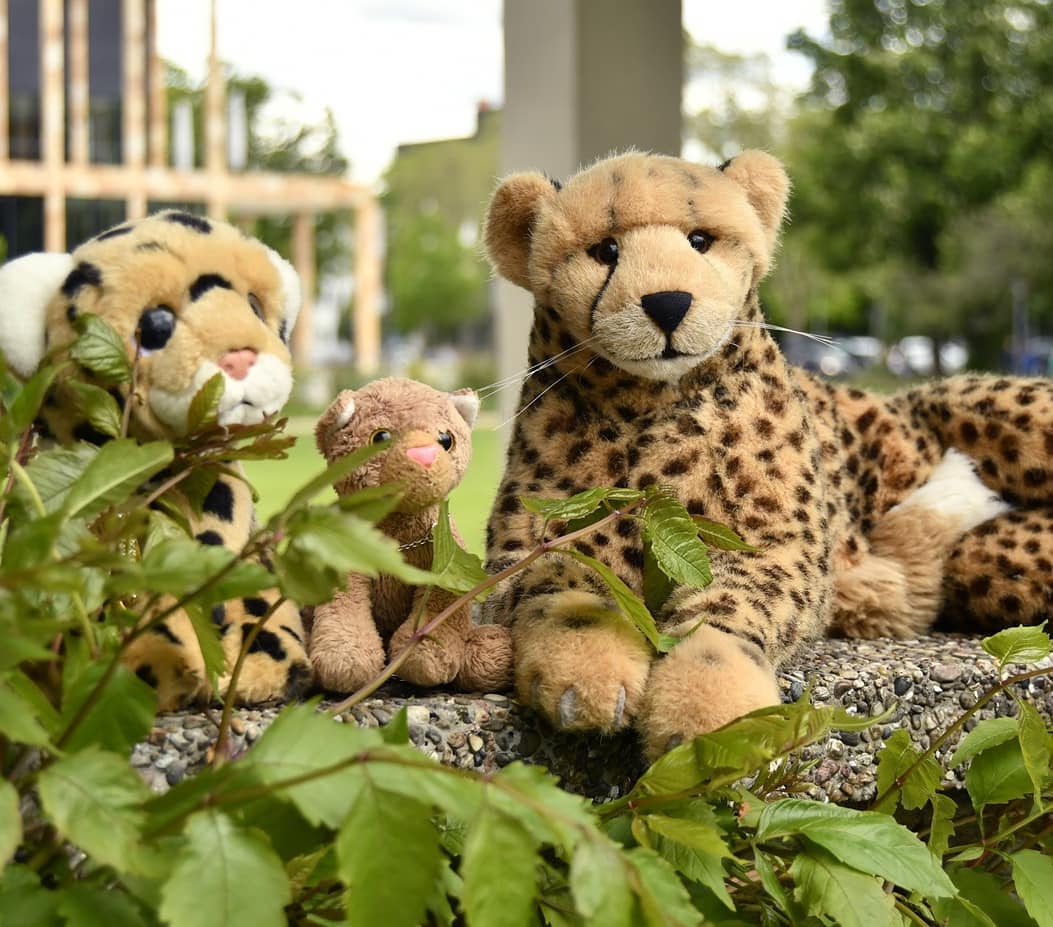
(430, 434)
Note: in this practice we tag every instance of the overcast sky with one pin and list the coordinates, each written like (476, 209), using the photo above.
(397, 71)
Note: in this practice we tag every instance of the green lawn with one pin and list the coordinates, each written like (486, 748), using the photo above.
(277, 480)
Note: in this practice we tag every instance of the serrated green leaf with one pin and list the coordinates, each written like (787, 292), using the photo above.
(207, 635)
(196, 486)
(1036, 747)
(1018, 645)
(984, 902)
(24, 901)
(39, 704)
(160, 528)
(623, 596)
(87, 906)
(699, 866)
(896, 757)
(720, 536)
(53, 472)
(830, 889)
(1033, 877)
(943, 827)
(373, 502)
(239, 876)
(520, 789)
(694, 832)
(17, 721)
(499, 870)
(673, 538)
(865, 840)
(94, 799)
(204, 407)
(32, 543)
(100, 350)
(396, 731)
(120, 467)
(598, 884)
(581, 505)
(10, 822)
(329, 477)
(384, 834)
(97, 406)
(773, 886)
(25, 407)
(657, 586)
(663, 899)
(990, 732)
(120, 716)
(303, 580)
(455, 569)
(998, 775)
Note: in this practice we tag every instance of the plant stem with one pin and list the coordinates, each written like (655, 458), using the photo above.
(19, 472)
(18, 457)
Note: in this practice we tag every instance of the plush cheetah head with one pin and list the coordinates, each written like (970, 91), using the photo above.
(648, 259)
(429, 431)
(192, 297)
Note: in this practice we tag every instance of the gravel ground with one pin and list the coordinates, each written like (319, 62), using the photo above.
(926, 683)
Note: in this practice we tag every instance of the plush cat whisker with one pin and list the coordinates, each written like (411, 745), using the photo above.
(523, 409)
(513, 379)
(822, 339)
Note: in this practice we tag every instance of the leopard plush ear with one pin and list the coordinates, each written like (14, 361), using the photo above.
(27, 285)
(510, 223)
(466, 402)
(767, 187)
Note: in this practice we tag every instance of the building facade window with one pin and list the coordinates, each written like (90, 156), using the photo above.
(105, 67)
(23, 78)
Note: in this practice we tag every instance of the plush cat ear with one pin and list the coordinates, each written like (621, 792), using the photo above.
(766, 185)
(292, 296)
(510, 223)
(341, 410)
(467, 405)
(27, 285)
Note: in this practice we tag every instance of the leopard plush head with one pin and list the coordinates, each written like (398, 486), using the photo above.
(647, 259)
(429, 431)
(191, 297)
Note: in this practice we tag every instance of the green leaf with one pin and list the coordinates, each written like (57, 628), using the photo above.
(26, 405)
(699, 866)
(32, 543)
(623, 596)
(983, 901)
(332, 475)
(224, 875)
(663, 898)
(865, 840)
(180, 565)
(18, 722)
(987, 734)
(24, 901)
(10, 822)
(998, 775)
(304, 580)
(1033, 877)
(657, 586)
(53, 472)
(100, 350)
(673, 537)
(94, 798)
(119, 468)
(944, 810)
(720, 536)
(771, 884)
(1036, 747)
(385, 834)
(698, 834)
(499, 870)
(204, 407)
(97, 406)
(87, 906)
(1018, 645)
(456, 570)
(372, 502)
(598, 883)
(581, 505)
(207, 635)
(895, 758)
(828, 888)
(121, 715)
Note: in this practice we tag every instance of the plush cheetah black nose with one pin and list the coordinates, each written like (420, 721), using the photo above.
(667, 309)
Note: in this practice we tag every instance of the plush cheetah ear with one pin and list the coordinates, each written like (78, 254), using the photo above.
(339, 413)
(291, 293)
(467, 405)
(767, 187)
(510, 223)
(27, 285)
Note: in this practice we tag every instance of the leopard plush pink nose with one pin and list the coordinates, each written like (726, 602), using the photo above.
(237, 363)
(424, 455)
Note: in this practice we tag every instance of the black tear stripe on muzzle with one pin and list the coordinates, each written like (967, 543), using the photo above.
(599, 296)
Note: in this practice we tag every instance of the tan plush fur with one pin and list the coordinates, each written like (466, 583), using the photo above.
(868, 519)
(350, 632)
(189, 297)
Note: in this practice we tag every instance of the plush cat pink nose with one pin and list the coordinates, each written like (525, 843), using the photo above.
(237, 364)
(424, 455)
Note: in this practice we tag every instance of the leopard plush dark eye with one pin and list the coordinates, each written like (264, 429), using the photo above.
(156, 325)
(606, 252)
(700, 240)
(256, 306)
(445, 440)
(379, 436)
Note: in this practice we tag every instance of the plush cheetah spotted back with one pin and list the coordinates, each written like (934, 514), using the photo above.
(865, 509)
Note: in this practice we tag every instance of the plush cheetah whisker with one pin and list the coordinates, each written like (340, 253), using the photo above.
(822, 339)
(513, 379)
(523, 409)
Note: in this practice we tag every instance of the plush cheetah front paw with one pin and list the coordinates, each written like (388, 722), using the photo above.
(707, 680)
(578, 662)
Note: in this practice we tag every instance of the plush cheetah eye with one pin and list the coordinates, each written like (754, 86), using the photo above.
(700, 240)
(256, 306)
(156, 325)
(445, 440)
(379, 436)
(606, 252)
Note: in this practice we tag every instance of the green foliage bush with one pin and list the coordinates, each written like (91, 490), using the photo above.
(325, 823)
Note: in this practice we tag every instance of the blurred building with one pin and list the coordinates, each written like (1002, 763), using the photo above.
(84, 145)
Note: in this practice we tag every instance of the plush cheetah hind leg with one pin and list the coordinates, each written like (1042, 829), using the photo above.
(896, 590)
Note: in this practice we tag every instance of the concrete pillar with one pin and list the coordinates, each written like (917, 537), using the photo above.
(52, 123)
(583, 78)
(303, 261)
(157, 130)
(366, 321)
(77, 26)
(215, 125)
(5, 126)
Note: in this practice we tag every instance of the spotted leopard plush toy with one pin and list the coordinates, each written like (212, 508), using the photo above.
(431, 445)
(192, 297)
(872, 514)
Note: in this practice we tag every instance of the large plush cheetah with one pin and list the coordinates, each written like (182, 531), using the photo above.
(191, 297)
(867, 510)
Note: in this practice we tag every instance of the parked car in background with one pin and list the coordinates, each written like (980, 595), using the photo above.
(915, 355)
